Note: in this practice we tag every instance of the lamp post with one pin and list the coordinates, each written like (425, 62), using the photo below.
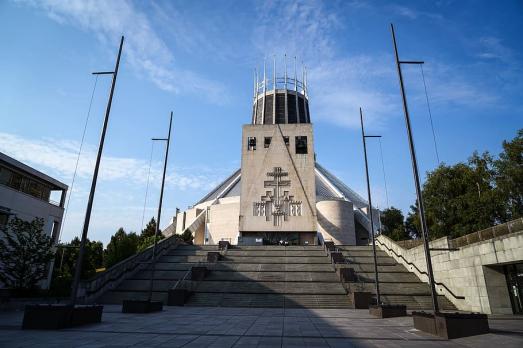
(153, 257)
(376, 277)
(79, 261)
(419, 196)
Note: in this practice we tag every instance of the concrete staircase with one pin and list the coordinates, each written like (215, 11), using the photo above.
(277, 276)
(272, 276)
(397, 284)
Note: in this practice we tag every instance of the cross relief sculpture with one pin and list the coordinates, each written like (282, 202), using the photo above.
(280, 205)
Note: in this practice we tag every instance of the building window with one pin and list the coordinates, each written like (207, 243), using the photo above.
(286, 140)
(301, 145)
(267, 142)
(251, 143)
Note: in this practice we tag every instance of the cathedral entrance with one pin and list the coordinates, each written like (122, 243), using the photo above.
(279, 238)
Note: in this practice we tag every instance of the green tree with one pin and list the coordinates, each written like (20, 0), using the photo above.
(393, 225)
(186, 236)
(509, 177)
(461, 199)
(149, 230)
(121, 246)
(25, 252)
(65, 264)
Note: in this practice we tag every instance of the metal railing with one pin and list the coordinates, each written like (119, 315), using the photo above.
(109, 279)
(489, 233)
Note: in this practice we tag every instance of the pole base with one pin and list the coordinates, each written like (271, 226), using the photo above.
(60, 316)
(451, 325)
(388, 311)
(141, 306)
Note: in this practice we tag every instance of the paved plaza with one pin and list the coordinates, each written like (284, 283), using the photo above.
(249, 327)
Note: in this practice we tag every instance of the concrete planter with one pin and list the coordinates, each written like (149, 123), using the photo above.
(60, 316)
(337, 257)
(177, 297)
(388, 311)
(141, 306)
(198, 273)
(223, 244)
(213, 256)
(347, 274)
(451, 325)
(361, 300)
(329, 246)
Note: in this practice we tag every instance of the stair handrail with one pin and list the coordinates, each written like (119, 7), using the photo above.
(458, 297)
(92, 288)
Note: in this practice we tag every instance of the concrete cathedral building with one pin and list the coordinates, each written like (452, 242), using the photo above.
(280, 193)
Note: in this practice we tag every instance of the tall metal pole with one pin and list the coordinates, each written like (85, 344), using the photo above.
(421, 208)
(377, 282)
(153, 258)
(79, 261)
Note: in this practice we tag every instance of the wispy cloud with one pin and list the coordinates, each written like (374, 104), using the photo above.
(145, 51)
(60, 157)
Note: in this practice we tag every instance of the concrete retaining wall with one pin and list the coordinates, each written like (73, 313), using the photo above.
(474, 271)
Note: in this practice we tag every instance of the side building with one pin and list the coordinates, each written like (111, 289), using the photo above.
(27, 194)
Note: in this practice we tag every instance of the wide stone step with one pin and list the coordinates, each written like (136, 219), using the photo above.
(254, 253)
(143, 285)
(277, 247)
(182, 258)
(269, 300)
(382, 260)
(388, 277)
(274, 276)
(264, 287)
(272, 267)
(174, 266)
(160, 274)
(198, 247)
(369, 267)
(365, 253)
(117, 297)
(392, 288)
(275, 259)
(355, 247)
(418, 302)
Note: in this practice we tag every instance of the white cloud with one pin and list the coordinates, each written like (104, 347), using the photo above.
(146, 52)
(60, 157)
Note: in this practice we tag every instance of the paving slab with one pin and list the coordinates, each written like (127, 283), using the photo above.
(250, 327)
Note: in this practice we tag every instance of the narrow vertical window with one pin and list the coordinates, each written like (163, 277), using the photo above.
(267, 142)
(286, 140)
(301, 144)
(251, 143)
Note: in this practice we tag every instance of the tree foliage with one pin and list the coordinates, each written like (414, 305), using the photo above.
(25, 252)
(393, 225)
(65, 264)
(121, 246)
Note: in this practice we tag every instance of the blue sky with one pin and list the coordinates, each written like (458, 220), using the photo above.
(197, 59)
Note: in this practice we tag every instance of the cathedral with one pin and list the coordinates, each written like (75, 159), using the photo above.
(280, 195)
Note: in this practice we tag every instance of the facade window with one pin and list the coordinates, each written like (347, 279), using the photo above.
(301, 144)
(23, 183)
(286, 140)
(4, 218)
(267, 142)
(251, 143)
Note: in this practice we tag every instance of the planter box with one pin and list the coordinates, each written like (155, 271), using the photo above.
(361, 300)
(177, 297)
(141, 306)
(198, 273)
(347, 274)
(223, 244)
(213, 256)
(60, 316)
(451, 325)
(329, 246)
(337, 257)
(388, 311)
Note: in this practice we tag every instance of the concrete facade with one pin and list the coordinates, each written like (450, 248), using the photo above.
(335, 219)
(16, 199)
(297, 181)
(473, 271)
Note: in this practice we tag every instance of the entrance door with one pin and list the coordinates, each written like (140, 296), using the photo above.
(514, 274)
